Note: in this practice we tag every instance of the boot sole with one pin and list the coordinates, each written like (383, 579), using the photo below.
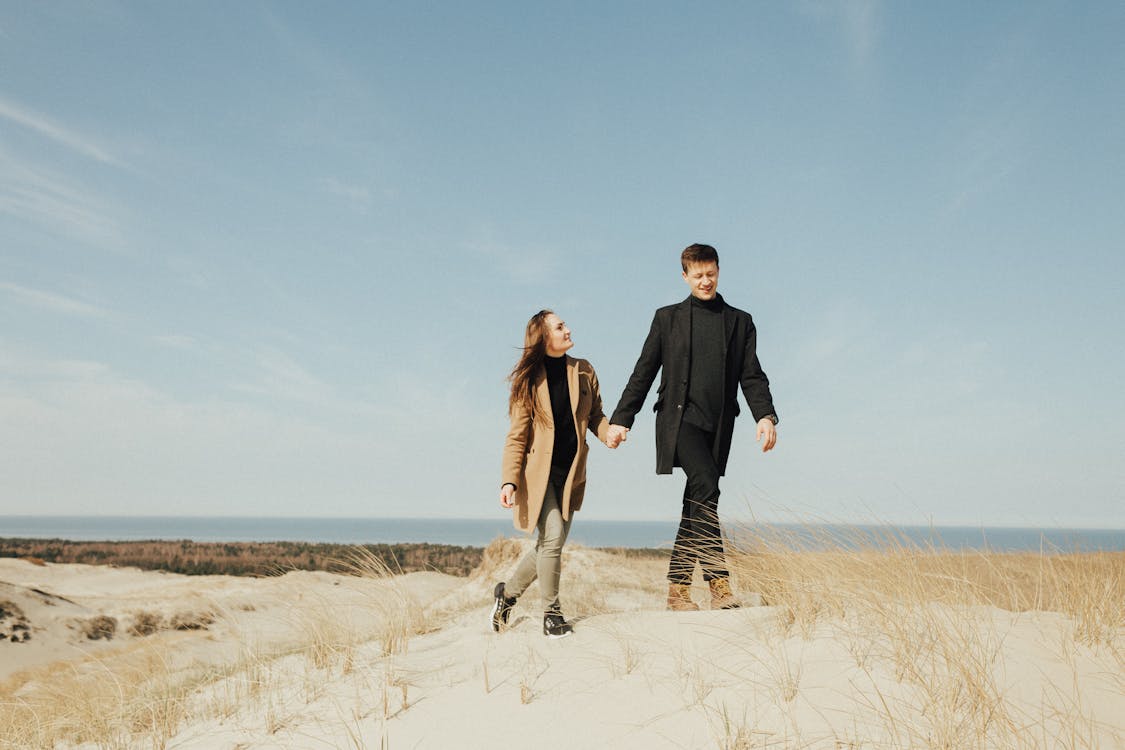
(494, 617)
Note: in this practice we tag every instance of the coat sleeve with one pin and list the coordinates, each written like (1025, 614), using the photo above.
(755, 384)
(598, 423)
(644, 372)
(515, 447)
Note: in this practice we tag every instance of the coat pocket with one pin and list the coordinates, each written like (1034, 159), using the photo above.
(584, 401)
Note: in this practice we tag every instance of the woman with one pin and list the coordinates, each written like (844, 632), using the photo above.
(554, 399)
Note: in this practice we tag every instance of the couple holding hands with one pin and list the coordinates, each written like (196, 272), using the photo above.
(705, 350)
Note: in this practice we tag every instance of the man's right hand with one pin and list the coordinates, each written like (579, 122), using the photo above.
(507, 495)
(769, 432)
(616, 435)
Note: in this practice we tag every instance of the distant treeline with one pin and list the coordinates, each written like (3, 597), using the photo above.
(244, 558)
(256, 558)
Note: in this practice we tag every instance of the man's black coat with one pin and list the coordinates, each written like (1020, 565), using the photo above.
(668, 346)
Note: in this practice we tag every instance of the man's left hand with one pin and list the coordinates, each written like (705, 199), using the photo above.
(767, 428)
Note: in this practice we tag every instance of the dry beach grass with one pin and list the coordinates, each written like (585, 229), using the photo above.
(859, 645)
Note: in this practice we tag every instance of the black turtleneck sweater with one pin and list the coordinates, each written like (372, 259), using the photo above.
(705, 384)
(566, 439)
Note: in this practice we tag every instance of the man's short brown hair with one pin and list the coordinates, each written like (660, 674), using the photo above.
(698, 253)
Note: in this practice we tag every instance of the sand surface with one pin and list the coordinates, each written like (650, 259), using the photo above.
(310, 660)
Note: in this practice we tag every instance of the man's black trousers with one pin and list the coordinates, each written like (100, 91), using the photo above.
(698, 538)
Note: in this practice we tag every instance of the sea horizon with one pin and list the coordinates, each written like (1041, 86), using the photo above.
(479, 532)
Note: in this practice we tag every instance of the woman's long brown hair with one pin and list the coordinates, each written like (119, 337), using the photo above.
(529, 366)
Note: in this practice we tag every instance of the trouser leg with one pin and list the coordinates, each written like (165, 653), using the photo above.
(682, 564)
(543, 562)
(553, 531)
(699, 538)
(524, 574)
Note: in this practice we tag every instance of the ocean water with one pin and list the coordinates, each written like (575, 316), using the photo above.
(479, 532)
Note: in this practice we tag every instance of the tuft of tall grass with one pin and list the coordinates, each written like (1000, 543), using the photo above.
(498, 558)
(400, 615)
(106, 702)
(811, 575)
(925, 612)
(143, 693)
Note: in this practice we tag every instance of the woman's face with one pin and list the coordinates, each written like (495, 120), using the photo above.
(558, 336)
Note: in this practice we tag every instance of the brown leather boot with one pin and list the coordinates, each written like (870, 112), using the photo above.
(679, 598)
(721, 595)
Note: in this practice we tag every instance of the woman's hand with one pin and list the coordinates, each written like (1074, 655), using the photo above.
(508, 495)
(616, 435)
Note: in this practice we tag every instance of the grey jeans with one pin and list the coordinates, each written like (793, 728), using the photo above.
(545, 560)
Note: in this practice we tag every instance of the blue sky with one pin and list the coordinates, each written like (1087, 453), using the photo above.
(276, 258)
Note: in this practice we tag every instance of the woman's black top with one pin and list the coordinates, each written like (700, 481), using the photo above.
(566, 439)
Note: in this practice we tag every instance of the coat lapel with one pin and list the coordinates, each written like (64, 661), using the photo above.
(681, 328)
(729, 320)
(543, 395)
(572, 386)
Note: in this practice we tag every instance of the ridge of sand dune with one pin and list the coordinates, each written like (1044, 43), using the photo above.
(64, 604)
(36, 627)
(323, 660)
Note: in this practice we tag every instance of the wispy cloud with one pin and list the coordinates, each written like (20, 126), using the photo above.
(858, 22)
(988, 154)
(58, 133)
(36, 195)
(282, 377)
(521, 265)
(861, 27)
(998, 104)
(176, 341)
(79, 434)
(358, 197)
(51, 302)
(17, 364)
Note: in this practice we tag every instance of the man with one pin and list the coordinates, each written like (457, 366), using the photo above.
(705, 349)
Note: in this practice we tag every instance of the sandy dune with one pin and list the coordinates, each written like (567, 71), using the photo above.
(311, 660)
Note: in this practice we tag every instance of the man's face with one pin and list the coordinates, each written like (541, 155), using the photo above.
(702, 279)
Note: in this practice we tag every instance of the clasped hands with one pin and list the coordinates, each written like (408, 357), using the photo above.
(616, 435)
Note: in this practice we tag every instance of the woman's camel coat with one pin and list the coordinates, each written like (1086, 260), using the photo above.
(527, 450)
